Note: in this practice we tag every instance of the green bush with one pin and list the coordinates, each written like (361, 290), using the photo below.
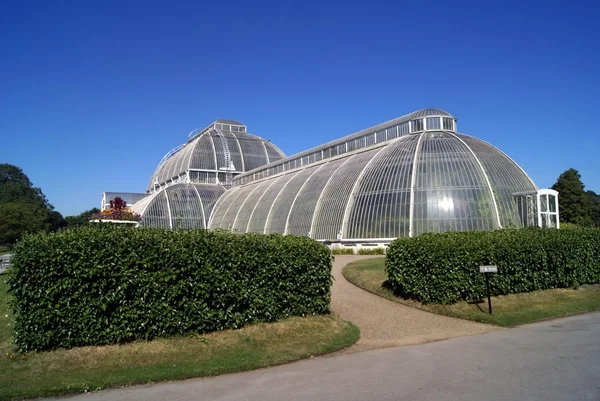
(444, 268)
(343, 251)
(371, 251)
(105, 284)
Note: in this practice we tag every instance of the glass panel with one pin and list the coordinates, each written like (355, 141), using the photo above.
(253, 152)
(203, 156)
(380, 207)
(209, 195)
(416, 125)
(505, 177)
(451, 193)
(403, 129)
(544, 203)
(157, 212)
(552, 203)
(229, 219)
(448, 124)
(274, 155)
(433, 123)
(259, 216)
(301, 215)
(280, 210)
(244, 211)
(334, 198)
(186, 207)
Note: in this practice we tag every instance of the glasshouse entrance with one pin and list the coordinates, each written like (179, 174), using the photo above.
(538, 208)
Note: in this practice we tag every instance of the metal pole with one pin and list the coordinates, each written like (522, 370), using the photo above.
(487, 284)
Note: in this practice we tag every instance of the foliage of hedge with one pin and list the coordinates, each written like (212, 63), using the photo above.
(343, 251)
(372, 251)
(361, 251)
(444, 268)
(104, 284)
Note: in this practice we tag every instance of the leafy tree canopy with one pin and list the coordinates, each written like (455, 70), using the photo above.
(575, 205)
(23, 207)
(595, 200)
(82, 218)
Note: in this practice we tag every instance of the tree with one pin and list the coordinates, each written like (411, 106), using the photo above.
(17, 219)
(82, 218)
(15, 186)
(595, 200)
(575, 206)
(23, 207)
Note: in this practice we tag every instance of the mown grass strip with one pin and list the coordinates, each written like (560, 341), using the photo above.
(509, 310)
(92, 368)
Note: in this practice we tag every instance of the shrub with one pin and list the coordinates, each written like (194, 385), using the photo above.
(444, 268)
(104, 284)
(371, 251)
(343, 251)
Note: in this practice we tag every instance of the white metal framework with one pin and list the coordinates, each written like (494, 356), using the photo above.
(405, 177)
(179, 206)
(538, 208)
(213, 155)
(387, 182)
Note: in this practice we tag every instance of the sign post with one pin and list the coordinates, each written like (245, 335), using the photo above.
(486, 270)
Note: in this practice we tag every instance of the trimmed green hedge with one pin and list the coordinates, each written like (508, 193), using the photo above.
(444, 268)
(361, 251)
(372, 251)
(105, 284)
(343, 251)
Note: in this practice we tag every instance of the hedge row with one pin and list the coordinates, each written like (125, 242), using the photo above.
(444, 268)
(106, 284)
(361, 251)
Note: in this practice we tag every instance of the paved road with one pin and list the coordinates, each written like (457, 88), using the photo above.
(384, 323)
(554, 360)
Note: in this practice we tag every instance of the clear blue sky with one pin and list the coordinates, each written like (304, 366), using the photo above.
(93, 94)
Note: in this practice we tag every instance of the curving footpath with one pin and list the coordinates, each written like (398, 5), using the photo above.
(384, 323)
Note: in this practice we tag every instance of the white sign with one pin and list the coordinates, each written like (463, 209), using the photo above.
(488, 269)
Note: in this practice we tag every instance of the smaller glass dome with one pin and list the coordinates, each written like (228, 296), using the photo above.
(179, 206)
(213, 155)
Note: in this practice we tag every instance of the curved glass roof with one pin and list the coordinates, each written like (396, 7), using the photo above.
(428, 181)
(212, 154)
(421, 120)
(179, 206)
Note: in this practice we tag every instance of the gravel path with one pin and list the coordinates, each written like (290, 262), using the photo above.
(384, 323)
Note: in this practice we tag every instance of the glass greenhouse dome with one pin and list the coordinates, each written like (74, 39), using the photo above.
(179, 206)
(411, 175)
(214, 155)
(406, 177)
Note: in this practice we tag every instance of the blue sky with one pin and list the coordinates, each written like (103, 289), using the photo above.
(93, 94)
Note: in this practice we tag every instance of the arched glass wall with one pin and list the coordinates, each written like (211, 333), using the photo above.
(179, 206)
(427, 181)
(211, 155)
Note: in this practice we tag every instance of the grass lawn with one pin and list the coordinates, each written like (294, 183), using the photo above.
(92, 368)
(508, 310)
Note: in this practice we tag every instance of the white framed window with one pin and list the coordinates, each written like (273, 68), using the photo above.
(416, 125)
(433, 123)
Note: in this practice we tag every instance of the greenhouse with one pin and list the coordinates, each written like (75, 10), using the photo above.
(406, 177)
(411, 175)
(183, 205)
(214, 155)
